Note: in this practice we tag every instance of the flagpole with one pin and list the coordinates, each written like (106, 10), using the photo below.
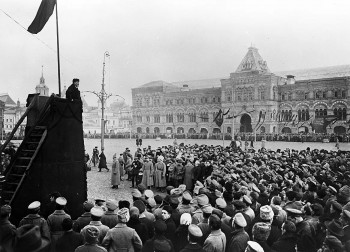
(58, 54)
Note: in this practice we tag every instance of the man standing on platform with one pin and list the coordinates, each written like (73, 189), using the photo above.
(73, 92)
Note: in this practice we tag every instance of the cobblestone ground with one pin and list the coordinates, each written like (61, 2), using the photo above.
(99, 182)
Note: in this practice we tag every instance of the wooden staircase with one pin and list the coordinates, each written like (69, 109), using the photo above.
(23, 160)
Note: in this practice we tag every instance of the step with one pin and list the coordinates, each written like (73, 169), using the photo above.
(16, 175)
(25, 150)
(40, 127)
(16, 184)
(20, 166)
(25, 158)
(32, 142)
(8, 192)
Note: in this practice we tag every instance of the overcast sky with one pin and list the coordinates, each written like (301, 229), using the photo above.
(166, 40)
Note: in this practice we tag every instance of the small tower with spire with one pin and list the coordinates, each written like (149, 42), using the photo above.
(41, 88)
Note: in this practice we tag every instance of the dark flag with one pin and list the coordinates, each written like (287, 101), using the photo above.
(42, 16)
(219, 119)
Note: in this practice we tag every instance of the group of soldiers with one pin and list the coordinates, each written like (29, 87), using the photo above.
(215, 199)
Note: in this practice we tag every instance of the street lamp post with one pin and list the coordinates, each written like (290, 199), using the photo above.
(103, 96)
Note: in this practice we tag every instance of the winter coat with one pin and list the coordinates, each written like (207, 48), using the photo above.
(216, 242)
(140, 228)
(149, 245)
(148, 171)
(122, 238)
(239, 241)
(115, 175)
(82, 221)
(188, 178)
(37, 220)
(69, 241)
(159, 174)
(285, 243)
(103, 161)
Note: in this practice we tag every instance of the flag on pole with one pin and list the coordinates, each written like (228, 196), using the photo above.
(42, 16)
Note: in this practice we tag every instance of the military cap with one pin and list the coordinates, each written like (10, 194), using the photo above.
(194, 230)
(174, 199)
(136, 193)
(202, 199)
(221, 203)
(332, 189)
(97, 211)
(34, 205)
(255, 188)
(187, 195)
(61, 201)
(247, 200)
(111, 204)
(151, 202)
(254, 247)
(208, 209)
(294, 211)
(175, 191)
(240, 220)
(149, 193)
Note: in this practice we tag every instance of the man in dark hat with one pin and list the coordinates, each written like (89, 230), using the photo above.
(73, 92)
(51, 206)
(85, 218)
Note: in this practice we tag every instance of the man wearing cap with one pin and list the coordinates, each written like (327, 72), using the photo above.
(167, 218)
(184, 206)
(216, 241)
(136, 166)
(194, 236)
(253, 246)
(110, 218)
(55, 220)
(204, 224)
(34, 218)
(51, 206)
(202, 200)
(85, 218)
(7, 230)
(122, 237)
(96, 215)
(239, 238)
(305, 233)
(287, 241)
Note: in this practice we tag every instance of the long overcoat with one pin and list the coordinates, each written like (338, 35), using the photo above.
(148, 171)
(115, 176)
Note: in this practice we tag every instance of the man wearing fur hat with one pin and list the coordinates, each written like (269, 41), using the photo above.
(159, 174)
(122, 237)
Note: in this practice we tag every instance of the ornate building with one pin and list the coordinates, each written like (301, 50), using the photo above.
(252, 99)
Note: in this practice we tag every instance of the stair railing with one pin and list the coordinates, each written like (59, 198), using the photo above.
(40, 117)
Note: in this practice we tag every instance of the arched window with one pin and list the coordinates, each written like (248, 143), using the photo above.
(343, 93)
(289, 96)
(317, 115)
(303, 115)
(335, 112)
(290, 116)
(299, 115)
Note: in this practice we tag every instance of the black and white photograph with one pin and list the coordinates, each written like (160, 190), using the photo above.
(174, 126)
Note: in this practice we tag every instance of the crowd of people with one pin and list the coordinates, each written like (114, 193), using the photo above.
(203, 198)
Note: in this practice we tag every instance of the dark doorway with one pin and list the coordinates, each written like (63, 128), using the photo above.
(246, 123)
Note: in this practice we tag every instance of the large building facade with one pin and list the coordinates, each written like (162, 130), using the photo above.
(252, 99)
